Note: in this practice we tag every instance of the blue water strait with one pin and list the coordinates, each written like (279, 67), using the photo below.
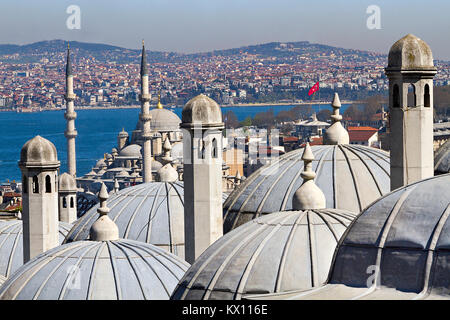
(97, 133)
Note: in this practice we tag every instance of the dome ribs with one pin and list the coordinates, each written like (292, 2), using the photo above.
(89, 291)
(355, 182)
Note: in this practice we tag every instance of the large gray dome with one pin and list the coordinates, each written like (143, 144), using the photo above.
(350, 176)
(277, 252)
(442, 158)
(398, 248)
(91, 270)
(150, 212)
(163, 120)
(11, 244)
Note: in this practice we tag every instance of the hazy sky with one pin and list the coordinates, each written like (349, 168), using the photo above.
(203, 25)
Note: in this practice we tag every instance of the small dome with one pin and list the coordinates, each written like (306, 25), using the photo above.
(131, 151)
(11, 244)
(278, 252)
(398, 233)
(150, 212)
(156, 165)
(202, 109)
(38, 151)
(100, 163)
(410, 53)
(167, 173)
(67, 183)
(350, 176)
(102, 270)
(90, 174)
(122, 174)
(442, 158)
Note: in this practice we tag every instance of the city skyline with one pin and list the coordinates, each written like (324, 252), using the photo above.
(200, 26)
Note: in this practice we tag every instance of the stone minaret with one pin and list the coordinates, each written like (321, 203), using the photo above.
(309, 195)
(410, 68)
(67, 198)
(336, 133)
(70, 116)
(39, 165)
(202, 152)
(145, 117)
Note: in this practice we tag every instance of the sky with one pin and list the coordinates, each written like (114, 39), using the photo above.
(203, 25)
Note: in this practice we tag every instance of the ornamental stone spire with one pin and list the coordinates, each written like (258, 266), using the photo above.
(104, 229)
(336, 133)
(70, 116)
(145, 117)
(309, 195)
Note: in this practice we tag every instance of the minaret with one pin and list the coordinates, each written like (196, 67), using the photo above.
(145, 117)
(122, 139)
(202, 153)
(67, 198)
(309, 195)
(336, 133)
(410, 66)
(70, 116)
(39, 165)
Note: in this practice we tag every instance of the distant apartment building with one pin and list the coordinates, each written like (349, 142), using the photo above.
(365, 136)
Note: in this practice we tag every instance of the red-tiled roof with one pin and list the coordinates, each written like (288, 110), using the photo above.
(315, 141)
(361, 133)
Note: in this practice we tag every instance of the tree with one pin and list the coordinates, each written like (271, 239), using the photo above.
(324, 115)
(231, 120)
(247, 122)
(285, 116)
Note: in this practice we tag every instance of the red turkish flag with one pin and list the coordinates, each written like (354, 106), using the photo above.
(314, 88)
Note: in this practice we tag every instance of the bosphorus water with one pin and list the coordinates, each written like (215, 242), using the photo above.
(97, 133)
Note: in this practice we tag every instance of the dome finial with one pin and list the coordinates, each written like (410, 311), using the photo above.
(167, 147)
(159, 105)
(336, 133)
(104, 229)
(309, 195)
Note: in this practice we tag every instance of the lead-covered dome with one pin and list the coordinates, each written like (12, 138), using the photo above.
(410, 53)
(38, 151)
(163, 120)
(442, 159)
(278, 252)
(350, 176)
(131, 151)
(11, 244)
(67, 183)
(92, 270)
(202, 110)
(151, 212)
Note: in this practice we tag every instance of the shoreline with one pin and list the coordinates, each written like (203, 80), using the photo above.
(262, 104)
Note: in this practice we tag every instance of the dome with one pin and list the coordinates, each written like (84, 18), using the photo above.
(156, 165)
(105, 270)
(131, 151)
(122, 174)
(410, 53)
(168, 173)
(202, 109)
(11, 244)
(278, 252)
(100, 163)
(442, 158)
(151, 212)
(350, 176)
(397, 248)
(177, 150)
(38, 151)
(90, 174)
(67, 183)
(163, 120)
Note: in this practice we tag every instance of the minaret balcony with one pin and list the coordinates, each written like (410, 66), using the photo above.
(70, 134)
(145, 117)
(70, 96)
(70, 115)
(144, 97)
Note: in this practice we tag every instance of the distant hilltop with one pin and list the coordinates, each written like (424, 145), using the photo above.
(105, 52)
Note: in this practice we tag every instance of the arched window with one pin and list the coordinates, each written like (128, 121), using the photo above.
(214, 148)
(35, 184)
(411, 95)
(71, 202)
(48, 184)
(64, 202)
(426, 96)
(396, 96)
(25, 184)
